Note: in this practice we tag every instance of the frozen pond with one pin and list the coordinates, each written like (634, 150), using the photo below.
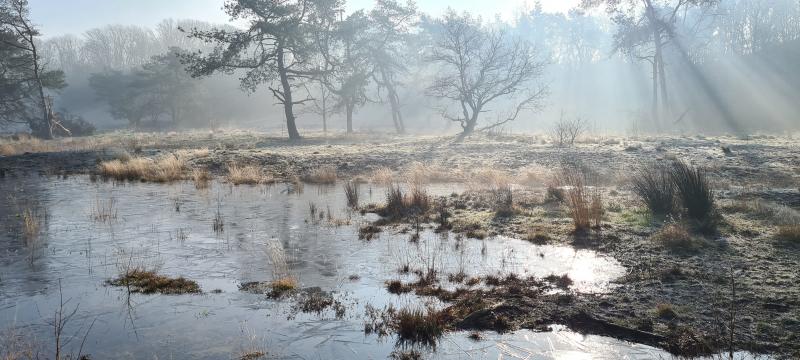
(170, 227)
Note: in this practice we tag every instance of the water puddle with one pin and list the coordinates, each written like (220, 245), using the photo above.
(90, 231)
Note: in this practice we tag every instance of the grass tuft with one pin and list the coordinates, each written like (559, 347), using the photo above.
(149, 282)
(789, 235)
(322, 175)
(248, 175)
(418, 326)
(167, 168)
(351, 193)
(652, 184)
(693, 190)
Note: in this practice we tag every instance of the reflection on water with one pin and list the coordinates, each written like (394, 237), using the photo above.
(170, 227)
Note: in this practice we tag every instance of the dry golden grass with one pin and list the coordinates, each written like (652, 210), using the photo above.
(489, 179)
(534, 176)
(201, 178)
(789, 234)
(247, 174)
(418, 174)
(164, 169)
(382, 176)
(322, 175)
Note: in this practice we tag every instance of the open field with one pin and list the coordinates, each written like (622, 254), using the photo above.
(692, 288)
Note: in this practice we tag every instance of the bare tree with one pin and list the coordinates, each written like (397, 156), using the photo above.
(347, 67)
(480, 66)
(24, 76)
(391, 22)
(274, 48)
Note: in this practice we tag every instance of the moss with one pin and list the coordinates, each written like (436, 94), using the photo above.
(149, 282)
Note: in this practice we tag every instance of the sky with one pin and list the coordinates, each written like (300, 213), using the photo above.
(58, 17)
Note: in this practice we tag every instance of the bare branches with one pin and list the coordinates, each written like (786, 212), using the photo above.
(480, 66)
(567, 130)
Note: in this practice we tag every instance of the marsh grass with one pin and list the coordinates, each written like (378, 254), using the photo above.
(382, 176)
(677, 238)
(104, 211)
(576, 196)
(245, 175)
(166, 168)
(653, 185)
(418, 325)
(789, 235)
(201, 178)
(140, 280)
(322, 175)
(351, 193)
(282, 286)
(693, 190)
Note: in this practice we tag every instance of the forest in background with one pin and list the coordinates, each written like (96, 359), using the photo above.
(676, 66)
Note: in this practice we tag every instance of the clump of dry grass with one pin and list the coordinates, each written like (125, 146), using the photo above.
(282, 286)
(351, 193)
(488, 179)
(576, 197)
(322, 175)
(149, 282)
(382, 176)
(399, 204)
(419, 174)
(7, 150)
(676, 237)
(201, 178)
(164, 169)
(247, 174)
(789, 234)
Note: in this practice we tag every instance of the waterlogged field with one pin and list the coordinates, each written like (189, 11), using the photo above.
(91, 232)
(235, 245)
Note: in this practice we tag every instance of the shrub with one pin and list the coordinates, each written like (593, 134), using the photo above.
(653, 185)
(693, 190)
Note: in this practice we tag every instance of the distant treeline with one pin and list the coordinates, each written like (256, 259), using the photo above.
(697, 66)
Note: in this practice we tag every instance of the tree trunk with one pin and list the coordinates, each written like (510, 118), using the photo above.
(288, 109)
(470, 127)
(324, 108)
(349, 107)
(394, 103)
(654, 109)
(665, 106)
(40, 128)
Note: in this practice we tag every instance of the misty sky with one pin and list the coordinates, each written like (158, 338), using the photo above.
(56, 17)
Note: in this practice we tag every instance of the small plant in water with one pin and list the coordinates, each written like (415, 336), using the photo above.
(149, 282)
(351, 192)
(418, 326)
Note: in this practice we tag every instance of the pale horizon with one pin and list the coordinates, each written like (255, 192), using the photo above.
(55, 17)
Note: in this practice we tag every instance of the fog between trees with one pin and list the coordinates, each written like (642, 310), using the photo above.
(302, 65)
